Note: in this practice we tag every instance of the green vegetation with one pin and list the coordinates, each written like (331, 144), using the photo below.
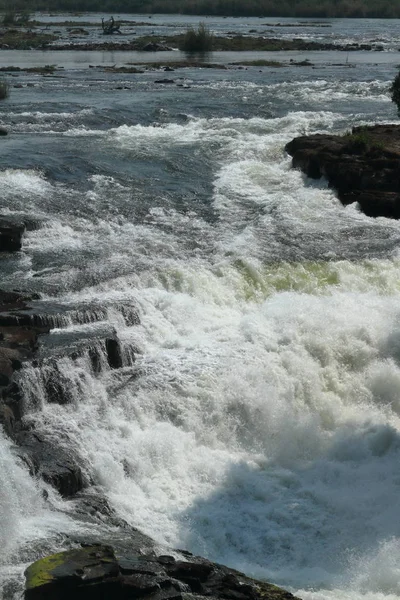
(17, 39)
(12, 18)
(265, 8)
(200, 40)
(361, 142)
(43, 70)
(192, 41)
(395, 91)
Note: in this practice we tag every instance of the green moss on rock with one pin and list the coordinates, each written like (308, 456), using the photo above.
(41, 572)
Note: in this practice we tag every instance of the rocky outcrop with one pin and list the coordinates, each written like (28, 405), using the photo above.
(97, 572)
(23, 319)
(18, 343)
(52, 462)
(362, 166)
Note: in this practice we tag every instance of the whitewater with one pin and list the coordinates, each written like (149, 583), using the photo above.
(256, 418)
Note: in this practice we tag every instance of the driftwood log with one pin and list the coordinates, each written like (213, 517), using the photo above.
(109, 27)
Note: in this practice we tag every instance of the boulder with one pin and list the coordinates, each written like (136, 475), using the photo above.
(98, 572)
(48, 459)
(362, 166)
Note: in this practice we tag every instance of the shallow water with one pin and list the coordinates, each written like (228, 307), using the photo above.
(259, 425)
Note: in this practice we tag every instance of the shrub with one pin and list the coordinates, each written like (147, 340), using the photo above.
(197, 41)
(9, 19)
(12, 18)
(361, 142)
(4, 89)
(395, 91)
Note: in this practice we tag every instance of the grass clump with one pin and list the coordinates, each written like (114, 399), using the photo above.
(200, 40)
(4, 89)
(361, 142)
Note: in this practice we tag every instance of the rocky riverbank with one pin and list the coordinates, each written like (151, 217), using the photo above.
(96, 572)
(362, 166)
(25, 322)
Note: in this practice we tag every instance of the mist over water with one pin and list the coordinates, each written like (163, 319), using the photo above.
(259, 425)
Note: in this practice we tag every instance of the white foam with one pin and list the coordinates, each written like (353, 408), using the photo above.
(25, 515)
(263, 430)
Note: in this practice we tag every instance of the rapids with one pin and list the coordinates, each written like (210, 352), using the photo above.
(260, 423)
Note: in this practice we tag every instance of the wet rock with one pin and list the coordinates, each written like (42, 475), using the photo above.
(10, 361)
(164, 81)
(362, 166)
(95, 572)
(11, 233)
(3, 131)
(56, 387)
(7, 419)
(11, 409)
(51, 461)
(77, 31)
(114, 354)
(18, 343)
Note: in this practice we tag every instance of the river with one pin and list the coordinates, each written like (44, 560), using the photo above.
(260, 423)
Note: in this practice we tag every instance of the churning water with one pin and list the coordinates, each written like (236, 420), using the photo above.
(260, 423)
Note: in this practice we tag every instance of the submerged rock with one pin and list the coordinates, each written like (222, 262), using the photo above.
(362, 166)
(98, 572)
(11, 233)
(165, 80)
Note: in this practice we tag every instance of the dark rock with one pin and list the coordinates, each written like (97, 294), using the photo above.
(95, 359)
(10, 235)
(164, 81)
(363, 166)
(96, 573)
(77, 31)
(3, 131)
(114, 355)
(7, 419)
(51, 461)
(11, 409)
(56, 386)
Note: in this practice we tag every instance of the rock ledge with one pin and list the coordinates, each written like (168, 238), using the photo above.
(362, 166)
(98, 572)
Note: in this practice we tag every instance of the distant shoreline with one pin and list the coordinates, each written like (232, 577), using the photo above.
(309, 9)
